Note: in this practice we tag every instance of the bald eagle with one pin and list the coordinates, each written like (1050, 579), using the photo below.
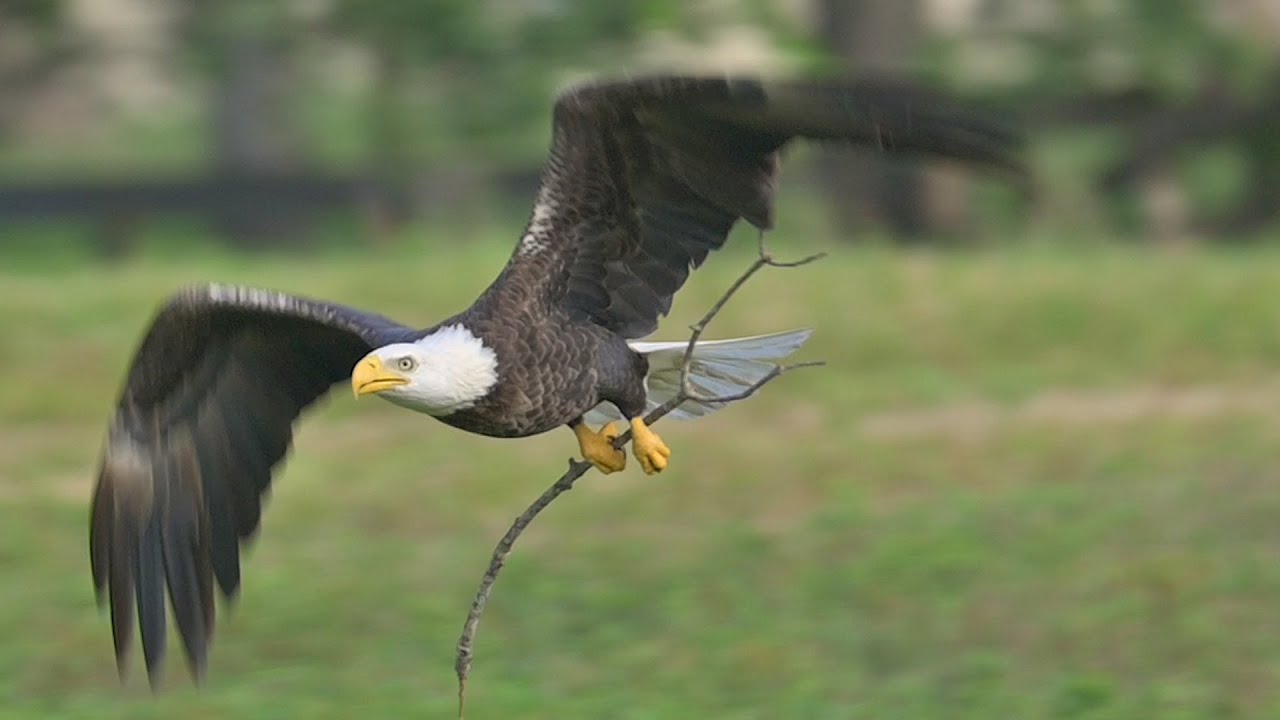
(644, 178)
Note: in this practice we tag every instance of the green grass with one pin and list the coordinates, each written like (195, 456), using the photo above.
(1029, 484)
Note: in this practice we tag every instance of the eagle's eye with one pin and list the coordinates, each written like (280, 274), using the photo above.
(406, 364)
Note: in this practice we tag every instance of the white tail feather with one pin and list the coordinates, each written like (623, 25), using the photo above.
(719, 368)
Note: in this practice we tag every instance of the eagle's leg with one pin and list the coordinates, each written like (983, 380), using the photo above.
(648, 447)
(597, 447)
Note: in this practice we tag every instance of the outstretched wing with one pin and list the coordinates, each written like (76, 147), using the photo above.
(646, 177)
(205, 414)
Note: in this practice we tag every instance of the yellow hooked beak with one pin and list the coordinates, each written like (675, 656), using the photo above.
(371, 376)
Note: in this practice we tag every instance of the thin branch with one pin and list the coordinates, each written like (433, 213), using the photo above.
(764, 258)
(578, 468)
(735, 397)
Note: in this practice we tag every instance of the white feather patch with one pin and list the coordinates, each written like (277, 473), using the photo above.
(719, 367)
(535, 236)
(453, 370)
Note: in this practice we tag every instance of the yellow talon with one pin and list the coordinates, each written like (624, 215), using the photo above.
(597, 447)
(649, 448)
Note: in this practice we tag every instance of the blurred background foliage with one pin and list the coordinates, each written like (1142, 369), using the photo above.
(1147, 118)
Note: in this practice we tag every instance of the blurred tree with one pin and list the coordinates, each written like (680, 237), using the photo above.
(243, 47)
(433, 48)
(877, 38)
(455, 85)
(1176, 77)
(487, 68)
(1219, 79)
(35, 44)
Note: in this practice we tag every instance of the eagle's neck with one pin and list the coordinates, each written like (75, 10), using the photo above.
(456, 370)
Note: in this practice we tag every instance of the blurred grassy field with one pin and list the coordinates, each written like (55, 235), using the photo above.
(1031, 484)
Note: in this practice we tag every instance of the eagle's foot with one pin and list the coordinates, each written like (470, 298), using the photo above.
(649, 448)
(597, 447)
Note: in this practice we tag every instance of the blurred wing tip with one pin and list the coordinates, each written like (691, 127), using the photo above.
(199, 672)
(198, 655)
(155, 676)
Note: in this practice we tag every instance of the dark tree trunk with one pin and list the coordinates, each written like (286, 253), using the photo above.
(871, 37)
(388, 202)
(251, 124)
(253, 131)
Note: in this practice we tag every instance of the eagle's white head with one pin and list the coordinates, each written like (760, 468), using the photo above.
(449, 370)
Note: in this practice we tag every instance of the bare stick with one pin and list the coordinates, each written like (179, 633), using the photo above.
(578, 468)
(764, 258)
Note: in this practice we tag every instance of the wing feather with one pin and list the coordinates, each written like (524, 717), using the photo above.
(220, 509)
(647, 176)
(204, 417)
(149, 576)
(185, 546)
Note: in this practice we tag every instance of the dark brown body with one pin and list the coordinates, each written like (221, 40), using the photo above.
(551, 369)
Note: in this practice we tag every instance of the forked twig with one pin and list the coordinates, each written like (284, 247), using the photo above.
(578, 468)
